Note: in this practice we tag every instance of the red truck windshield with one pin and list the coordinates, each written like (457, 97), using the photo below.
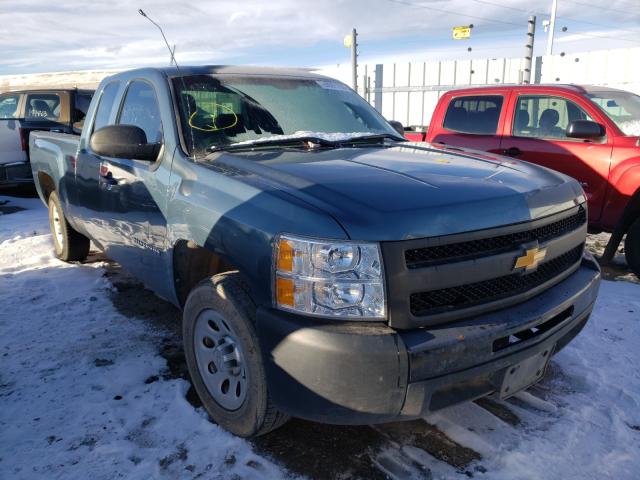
(220, 110)
(621, 107)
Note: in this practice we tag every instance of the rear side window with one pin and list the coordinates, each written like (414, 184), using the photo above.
(476, 114)
(106, 104)
(9, 105)
(82, 102)
(140, 108)
(43, 106)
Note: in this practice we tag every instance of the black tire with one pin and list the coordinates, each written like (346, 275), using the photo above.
(632, 247)
(68, 244)
(226, 296)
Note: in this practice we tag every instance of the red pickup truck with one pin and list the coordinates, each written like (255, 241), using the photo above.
(589, 133)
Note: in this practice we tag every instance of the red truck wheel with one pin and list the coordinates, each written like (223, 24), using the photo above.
(632, 247)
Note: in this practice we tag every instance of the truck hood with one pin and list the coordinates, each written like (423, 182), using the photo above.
(408, 191)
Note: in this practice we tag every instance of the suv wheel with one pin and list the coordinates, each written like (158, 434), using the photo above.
(224, 357)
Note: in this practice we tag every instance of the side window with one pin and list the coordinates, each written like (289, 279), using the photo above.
(540, 116)
(140, 108)
(106, 104)
(478, 114)
(9, 106)
(43, 106)
(82, 102)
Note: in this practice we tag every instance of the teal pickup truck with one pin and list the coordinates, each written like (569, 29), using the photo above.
(327, 269)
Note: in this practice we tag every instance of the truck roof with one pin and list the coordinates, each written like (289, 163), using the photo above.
(224, 70)
(550, 86)
(49, 90)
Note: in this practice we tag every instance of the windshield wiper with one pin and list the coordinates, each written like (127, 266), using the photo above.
(373, 139)
(309, 142)
(299, 142)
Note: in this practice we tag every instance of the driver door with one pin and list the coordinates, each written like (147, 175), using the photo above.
(132, 193)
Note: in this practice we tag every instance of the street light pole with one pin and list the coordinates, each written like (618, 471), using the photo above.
(528, 56)
(354, 60)
(552, 26)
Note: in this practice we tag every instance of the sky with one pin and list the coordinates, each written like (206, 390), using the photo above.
(62, 35)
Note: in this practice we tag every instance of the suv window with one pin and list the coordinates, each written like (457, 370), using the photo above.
(82, 102)
(106, 104)
(9, 105)
(476, 114)
(542, 116)
(43, 106)
(140, 108)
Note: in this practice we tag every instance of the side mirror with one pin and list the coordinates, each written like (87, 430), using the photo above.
(124, 141)
(585, 129)
(397, 126)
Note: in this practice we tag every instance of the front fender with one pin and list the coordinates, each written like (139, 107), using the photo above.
(236, 216)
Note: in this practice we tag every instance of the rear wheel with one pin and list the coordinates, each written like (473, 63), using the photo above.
(224, 357)
(632, 247)
(69, 245)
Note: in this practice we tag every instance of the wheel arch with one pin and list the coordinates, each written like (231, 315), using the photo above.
(46, 185)
(192, 263)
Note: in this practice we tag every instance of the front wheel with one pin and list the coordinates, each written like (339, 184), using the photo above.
(632, 247)
(68, 244)
(224, 358)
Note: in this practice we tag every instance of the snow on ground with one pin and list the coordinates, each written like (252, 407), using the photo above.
(583, 422)
(83, 395)
(80, 393)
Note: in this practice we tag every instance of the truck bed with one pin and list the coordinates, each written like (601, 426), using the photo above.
(53, 150)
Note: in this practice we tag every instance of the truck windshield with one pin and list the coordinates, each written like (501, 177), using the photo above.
(621, 107)
(225, 109)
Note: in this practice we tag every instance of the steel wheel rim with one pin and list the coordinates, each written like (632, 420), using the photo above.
(220, 360)
(57, 225)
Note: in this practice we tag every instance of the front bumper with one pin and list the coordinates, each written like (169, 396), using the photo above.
(16, 174)
(355, 373)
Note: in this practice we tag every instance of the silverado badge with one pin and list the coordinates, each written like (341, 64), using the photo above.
(531, 259)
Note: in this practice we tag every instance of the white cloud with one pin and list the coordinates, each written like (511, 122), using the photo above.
(39, 35)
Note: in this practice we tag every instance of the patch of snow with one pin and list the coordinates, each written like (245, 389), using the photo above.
(76, 400)
(73, 398)
(329, 137)
(588, 426)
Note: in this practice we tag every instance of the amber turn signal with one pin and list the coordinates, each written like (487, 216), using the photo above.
(285, 288)
(285, 256)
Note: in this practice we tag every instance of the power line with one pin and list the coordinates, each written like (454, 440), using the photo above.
(430, 8)
(599, 7)
(560, 17)
(607, 37)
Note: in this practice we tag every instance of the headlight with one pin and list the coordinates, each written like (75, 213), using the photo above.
(329, 278)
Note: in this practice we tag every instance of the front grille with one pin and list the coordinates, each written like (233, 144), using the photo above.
(456, 252)
(463, 296)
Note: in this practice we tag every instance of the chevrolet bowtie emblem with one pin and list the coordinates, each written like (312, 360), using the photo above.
(531, 259)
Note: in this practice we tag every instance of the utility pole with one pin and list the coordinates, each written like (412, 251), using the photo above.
(552, 26)
(528, 55)
(354, 59)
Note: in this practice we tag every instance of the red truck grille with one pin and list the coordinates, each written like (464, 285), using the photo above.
(437, 301)
(454, 252)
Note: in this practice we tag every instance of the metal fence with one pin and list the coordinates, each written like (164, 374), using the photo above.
(409, 92)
